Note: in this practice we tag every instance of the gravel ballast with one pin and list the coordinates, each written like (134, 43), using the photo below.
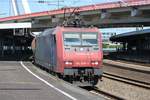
(124, 90)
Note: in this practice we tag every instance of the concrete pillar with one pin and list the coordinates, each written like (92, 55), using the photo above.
(13, 52)
(55, 19)
(135, 12)
(129, 46)
(2, 48)
(124, 46)
(105, 14)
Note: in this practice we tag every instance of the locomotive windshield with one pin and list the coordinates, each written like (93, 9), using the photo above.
(89, 39)
(72, 39)
(80, 39)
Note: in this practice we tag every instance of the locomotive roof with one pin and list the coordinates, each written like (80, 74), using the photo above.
(51, 30)
(46, 32)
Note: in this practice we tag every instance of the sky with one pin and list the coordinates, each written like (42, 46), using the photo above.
(6, 7)
(120, 30)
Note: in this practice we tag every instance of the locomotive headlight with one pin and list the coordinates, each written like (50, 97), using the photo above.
(94, 62)
(68, 62)
(81, 49)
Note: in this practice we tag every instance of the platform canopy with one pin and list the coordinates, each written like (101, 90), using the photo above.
(130, 35)
(15, 25)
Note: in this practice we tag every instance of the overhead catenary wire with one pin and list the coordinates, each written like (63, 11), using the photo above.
(55, 3)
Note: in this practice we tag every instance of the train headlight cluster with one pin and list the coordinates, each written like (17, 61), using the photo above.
(68, 62)
(94, 62)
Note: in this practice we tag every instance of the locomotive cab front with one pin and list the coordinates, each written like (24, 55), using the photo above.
(81, 54)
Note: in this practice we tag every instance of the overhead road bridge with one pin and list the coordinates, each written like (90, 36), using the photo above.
(135, 46)
(115, 14)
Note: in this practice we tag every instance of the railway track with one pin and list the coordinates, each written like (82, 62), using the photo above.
(126, 68)
(127, 80)
(122, 79)
(105, 94)
(127, 75)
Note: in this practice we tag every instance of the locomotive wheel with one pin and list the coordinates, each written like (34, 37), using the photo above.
(68, 79)
(59, 75)
(95, 80)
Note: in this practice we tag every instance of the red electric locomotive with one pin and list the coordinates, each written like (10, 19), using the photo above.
(73, 53)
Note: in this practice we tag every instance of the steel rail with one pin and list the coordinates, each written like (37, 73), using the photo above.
(127, 80)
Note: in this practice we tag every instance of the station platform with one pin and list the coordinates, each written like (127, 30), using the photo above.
(127, 65)
(134, 46)
(24, 81)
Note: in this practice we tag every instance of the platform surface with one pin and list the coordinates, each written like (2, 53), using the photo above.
(18, 82)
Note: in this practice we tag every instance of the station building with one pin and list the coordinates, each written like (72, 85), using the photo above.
(135, 46)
